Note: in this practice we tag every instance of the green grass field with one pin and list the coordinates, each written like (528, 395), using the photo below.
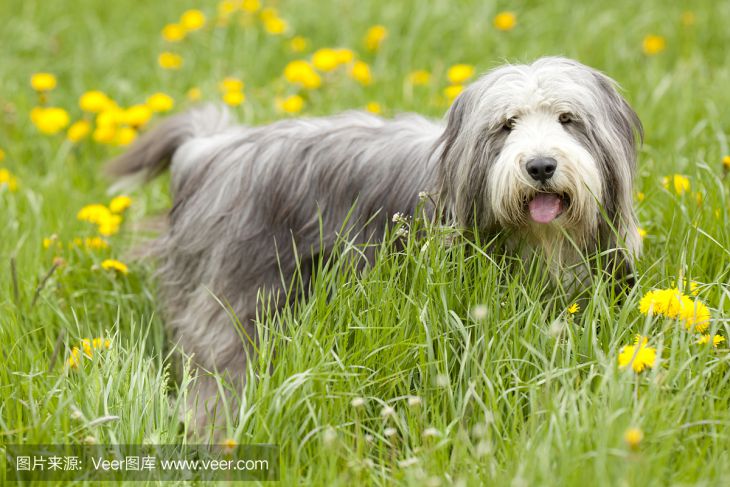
(460, 375)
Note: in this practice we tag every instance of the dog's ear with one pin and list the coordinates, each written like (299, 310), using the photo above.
(617, 138)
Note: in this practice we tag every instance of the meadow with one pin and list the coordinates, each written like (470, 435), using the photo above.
(440, 365)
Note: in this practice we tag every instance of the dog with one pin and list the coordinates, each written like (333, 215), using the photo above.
(543, 152)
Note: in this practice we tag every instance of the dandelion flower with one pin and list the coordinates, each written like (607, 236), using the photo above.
(344, 55)
(74, 358)
(170, 60)
(714, 339)
(298, 44)
(230, 444)
(7, 180)
(78, 130)
(94, 101)
(251, 6)
(231, 84)
(110, 225)
(302, 73)
(292, 104)
(640, 196)
(653, 44)
(632, 437)
(50, 120)
(726, 163)
(115, 265)
(640, 356)
(192, 20)
(678, 182)
(374, 37)
(451, 92)
(694, 314)
(234, 98)
(125, 136)
(275, 25)
(360, 72)
(173, 32)
(43, 82)
(573, 308)
(459, 73)
(419, 77)
(160, 102)
(120, 203)
(325, 59)
(105, 134)
(374, 107)
(505, 21)
(642, 233)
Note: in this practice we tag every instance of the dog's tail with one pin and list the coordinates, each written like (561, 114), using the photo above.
(151, 154)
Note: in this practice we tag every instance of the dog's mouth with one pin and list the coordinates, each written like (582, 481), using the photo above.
(546, 207)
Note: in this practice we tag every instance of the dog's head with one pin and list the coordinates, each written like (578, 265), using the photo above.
(543, 147)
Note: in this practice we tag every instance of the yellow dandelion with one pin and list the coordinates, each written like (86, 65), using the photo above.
(94, 101)
(7, 180)
(374, 37)
(325, 59)
(234, 98)
(231, 84)
(360, 72)
(74, 358)
(302, 73)
(642, 233)
(251, 6)
(573, 308)
(229, 444)
(109, 225)
(115, 265)
(726, 163)
(160, 102)
(459, 73)
(93, 213)
(639, 355)
(695, 314)
(43, 82)
(505, 21)
(679, 183)
(119, 204)
(344, 55)
(451, 92)
(653, 44)
(95, 243)
(78, 130)
(170, 60)
(633, 437)
(50, 120)
(192, 20)
(125, 136)
(173, 32)
(104, 134)
(292, 104)
(194, 94)
(374, 107)
(419, 77)
(275, 25)
(137, 115)
(640, 196)
(714, 339)
(298, 44)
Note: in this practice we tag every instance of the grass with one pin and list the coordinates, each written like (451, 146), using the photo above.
(524, 395)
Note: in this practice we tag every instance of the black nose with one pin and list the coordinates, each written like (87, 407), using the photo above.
(541, 168)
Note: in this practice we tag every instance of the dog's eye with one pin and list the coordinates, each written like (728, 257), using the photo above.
(510, 123)
(565, 118)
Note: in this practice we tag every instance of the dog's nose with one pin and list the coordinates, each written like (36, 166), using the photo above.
(541, 168)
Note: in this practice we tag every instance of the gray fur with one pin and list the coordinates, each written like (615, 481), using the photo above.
(248, 200)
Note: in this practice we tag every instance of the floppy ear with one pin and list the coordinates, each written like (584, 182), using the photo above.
(464, 153)
(617, 135)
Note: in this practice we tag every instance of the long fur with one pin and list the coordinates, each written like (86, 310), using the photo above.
(249, 200)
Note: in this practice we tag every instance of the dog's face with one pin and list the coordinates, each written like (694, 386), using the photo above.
(551, 145)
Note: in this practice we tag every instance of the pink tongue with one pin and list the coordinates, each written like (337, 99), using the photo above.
(545, 207)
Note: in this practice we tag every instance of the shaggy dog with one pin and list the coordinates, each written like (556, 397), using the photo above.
(544, 153)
